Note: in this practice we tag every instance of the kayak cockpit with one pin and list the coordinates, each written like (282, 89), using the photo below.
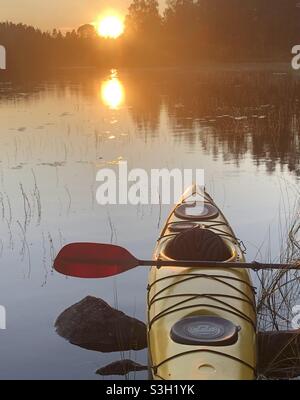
(197, 244)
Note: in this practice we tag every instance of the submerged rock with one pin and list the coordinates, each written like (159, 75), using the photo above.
(122, 367)
(94, 325)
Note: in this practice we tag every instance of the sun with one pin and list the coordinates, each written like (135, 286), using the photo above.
(110, 26)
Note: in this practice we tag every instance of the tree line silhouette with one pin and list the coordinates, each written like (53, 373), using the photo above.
(188, 32)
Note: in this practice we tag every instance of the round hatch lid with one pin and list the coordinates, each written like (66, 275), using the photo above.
(182, 226)
(196, 211)
(205, 331)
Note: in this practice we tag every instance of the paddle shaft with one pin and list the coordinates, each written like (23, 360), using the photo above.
(215, 264)
(189, 264)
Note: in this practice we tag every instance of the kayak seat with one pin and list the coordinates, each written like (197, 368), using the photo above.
(198, 244)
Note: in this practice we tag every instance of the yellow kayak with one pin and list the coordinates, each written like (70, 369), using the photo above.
(201, 321)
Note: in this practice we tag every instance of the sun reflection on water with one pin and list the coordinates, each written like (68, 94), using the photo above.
(112, 91)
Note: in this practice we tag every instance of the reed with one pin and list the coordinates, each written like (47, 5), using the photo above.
(279, 293)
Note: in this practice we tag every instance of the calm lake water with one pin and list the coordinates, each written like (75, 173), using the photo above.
(241, 127)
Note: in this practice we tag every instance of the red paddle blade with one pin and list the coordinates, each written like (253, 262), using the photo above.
(91, 260)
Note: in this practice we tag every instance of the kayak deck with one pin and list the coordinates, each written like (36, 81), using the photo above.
(204, 302)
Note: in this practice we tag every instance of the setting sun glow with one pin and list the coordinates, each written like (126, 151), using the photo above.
(110, 26)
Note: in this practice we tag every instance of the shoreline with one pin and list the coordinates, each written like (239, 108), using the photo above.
(284, 68)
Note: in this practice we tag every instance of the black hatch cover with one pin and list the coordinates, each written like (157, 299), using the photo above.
(196, 211)
(205, 331)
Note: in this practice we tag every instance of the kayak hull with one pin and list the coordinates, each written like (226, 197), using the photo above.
(197, 294)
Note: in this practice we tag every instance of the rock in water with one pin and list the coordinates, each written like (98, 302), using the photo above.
(94, 325)
(121, 368)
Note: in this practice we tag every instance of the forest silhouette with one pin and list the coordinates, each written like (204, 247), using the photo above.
(189, 32)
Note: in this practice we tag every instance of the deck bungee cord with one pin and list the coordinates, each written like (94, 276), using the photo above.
(156, 367)
(215, 277)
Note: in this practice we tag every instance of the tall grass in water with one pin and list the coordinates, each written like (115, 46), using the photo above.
(278, 295)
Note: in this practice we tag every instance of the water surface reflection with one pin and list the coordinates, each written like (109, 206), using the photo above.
(112, 91)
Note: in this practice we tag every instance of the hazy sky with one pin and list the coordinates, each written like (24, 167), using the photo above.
(48, 14)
